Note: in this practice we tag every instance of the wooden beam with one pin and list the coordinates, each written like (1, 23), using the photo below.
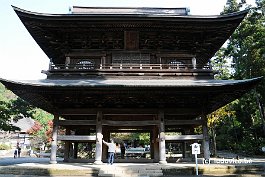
(77, 111)
(130, 123)
(178, 55)
(76, 138)
(184, 137)
(76, 122)
(84, 53)
(129, 111)
(183, 122)
(146, 130)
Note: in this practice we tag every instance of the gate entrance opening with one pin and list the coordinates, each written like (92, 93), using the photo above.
(131, 144)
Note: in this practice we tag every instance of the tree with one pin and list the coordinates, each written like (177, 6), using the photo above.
(215, 119)
(249, 59)
(246, 49)
(5, 121)
(12, 108)
(5, 113)
(140, 138)
(221, 64)
(231, 6)
(41, 131)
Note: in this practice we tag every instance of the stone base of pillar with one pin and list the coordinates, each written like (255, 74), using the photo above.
(98, 162)
(162, 162)
(53, 162)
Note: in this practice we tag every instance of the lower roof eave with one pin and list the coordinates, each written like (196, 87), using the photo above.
(52, 95)
(127, 83)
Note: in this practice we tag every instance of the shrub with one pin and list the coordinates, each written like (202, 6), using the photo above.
(4, 147)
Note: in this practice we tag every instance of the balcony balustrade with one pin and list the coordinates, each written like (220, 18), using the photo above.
(77, 67)
(147, 71)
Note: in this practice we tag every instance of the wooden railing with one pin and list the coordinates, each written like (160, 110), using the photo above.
(129, 67)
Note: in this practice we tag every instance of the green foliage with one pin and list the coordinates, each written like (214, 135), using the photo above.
(12, 108)
(6, 95)
(221, 64)
(42, 127)
(5, 111)
(85, 150)
(20, 109)
(144, 138)
(231, 6)
(141, 138)
(242, 130)
(4, 147)
(217, 117)
(4, 117)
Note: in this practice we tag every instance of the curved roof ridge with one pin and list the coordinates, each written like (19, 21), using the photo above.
(239, 14)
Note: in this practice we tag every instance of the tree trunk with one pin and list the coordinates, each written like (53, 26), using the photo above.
(261, 110)
(214, 142)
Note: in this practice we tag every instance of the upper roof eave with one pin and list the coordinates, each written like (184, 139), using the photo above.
(25, 13)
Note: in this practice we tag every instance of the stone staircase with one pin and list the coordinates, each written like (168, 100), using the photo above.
(137, 171)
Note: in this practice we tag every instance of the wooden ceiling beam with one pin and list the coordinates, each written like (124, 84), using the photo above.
(183, 122)
(129, 111)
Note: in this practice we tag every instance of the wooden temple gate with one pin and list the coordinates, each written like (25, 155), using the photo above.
(124, 69)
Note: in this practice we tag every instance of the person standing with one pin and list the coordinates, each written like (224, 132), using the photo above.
(19, 150)
(111, 151)
(122, 150)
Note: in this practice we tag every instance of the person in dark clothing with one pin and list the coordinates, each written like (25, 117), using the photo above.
(122, 150)
(17, 152)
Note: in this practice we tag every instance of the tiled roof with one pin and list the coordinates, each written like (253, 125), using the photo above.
(24, 124)
(133, 82)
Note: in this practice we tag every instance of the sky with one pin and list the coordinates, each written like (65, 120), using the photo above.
(22, 59)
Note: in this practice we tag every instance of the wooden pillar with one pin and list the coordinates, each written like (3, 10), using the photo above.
(66, 147)
(184, 146)
(103, 60)
(106, 136)
(54, 140)
(152, 143)
(75, 150)
(66, 151)
(156, 146)
(98, 154)
(184, 149)
(162, 141)
(206, 148)
(71, 146)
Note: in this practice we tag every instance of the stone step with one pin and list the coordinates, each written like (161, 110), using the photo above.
(131, 171)
(111, 171)
(4, 170)
(133, 175)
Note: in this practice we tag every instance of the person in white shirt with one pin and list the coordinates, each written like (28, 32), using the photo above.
(111, 151)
